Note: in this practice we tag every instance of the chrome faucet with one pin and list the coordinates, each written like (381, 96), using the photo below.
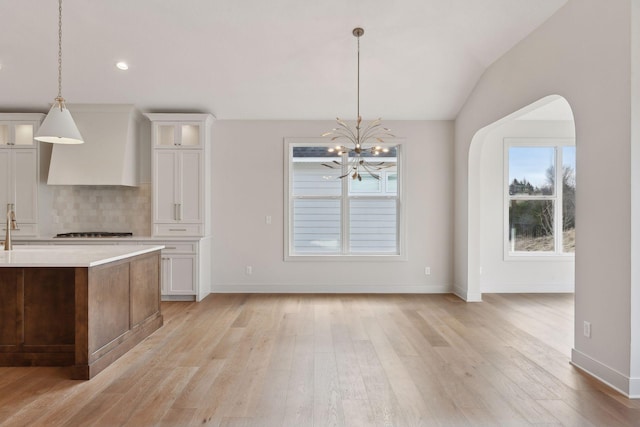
(11, 225)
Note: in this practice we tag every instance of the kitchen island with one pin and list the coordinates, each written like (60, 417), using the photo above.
(77, 306)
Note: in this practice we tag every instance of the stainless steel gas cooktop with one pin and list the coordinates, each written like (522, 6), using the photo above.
(95, 234)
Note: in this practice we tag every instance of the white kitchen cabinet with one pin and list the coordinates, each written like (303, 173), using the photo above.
(181, 177)
(178, 274)
(186, 269)
(19, 154)
(184, 131)
(185, 264)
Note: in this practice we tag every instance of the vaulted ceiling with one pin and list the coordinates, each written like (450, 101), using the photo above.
(260, 59)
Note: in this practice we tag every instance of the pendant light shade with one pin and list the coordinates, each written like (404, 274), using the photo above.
(58, 127)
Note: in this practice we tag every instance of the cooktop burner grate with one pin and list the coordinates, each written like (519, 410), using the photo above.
(95, 234)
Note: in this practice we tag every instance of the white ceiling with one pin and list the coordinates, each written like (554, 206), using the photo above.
(260, 59)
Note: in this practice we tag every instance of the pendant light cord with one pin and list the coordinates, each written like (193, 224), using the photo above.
(59, 52)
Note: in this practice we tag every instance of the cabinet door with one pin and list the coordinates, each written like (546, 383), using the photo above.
(172, 135)
(22, 134)
(5, 133)
(18, 134)
(190, 135)
(5, 182)
(25, 186)
(178, 275)
(165, 182)
(191, 209)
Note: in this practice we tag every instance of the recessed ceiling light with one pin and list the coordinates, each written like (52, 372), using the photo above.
(122, 66)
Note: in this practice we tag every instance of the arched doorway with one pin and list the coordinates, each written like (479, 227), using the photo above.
(501, 246)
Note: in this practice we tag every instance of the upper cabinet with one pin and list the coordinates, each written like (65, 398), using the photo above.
(19, 156)
(181, 176)
(180, 134)
(17, 131)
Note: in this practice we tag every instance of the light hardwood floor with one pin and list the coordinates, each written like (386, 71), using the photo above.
(343, 360)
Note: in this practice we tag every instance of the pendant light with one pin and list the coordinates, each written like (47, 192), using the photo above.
(58, 127)
(358, 153)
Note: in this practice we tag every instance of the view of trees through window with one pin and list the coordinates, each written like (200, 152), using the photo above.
(541, 199)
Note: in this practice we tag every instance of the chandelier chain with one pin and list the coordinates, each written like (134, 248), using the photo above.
(59, 48)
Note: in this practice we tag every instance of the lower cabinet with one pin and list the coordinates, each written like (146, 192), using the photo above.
(179, 274)
(185, 264)
(186, 268)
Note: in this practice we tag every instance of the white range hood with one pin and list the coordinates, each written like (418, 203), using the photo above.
(109, 155)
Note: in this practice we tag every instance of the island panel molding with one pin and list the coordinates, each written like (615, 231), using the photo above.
(85, 317)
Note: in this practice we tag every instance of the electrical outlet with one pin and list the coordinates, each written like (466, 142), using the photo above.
(427, 271)
(587, 329)
(267, 219)
(249, 270)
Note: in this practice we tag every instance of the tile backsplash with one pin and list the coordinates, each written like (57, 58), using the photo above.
(101, 208)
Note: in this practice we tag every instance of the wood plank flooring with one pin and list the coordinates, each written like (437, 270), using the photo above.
(334, 360)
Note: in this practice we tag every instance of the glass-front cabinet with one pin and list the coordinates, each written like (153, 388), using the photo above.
(176, 134)
(18, 134)
(181, 174)
(19, 160)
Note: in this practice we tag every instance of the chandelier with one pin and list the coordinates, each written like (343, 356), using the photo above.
(359, 150)
(58, 127)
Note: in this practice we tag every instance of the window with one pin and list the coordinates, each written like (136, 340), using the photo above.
(330, 216)
(540, 196)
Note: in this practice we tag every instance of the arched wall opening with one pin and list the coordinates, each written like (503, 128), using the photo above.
(490, 267)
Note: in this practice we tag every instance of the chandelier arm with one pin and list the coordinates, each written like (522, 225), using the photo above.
(369, 131)
(374, 131)
(375, 175)
(348, 129)
(342, 132)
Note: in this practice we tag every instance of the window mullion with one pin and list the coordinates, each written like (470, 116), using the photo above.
(558, 207)
(345, 205)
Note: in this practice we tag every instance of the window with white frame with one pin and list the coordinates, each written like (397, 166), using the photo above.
(540, 196)
(329, 216)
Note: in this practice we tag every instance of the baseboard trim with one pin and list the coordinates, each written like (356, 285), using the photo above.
(627, 386)
(330, 289)
(467, 296)
(178, 297)
(553, 288)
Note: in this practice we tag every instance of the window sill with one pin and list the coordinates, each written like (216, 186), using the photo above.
(539, 257)
(346, 258)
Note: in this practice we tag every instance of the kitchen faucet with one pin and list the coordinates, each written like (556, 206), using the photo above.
(11, 225)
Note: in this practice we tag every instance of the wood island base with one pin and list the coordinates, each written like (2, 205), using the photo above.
(83, 317)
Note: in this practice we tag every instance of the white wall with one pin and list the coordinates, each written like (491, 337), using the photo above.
(248, 174)
(635, 198)
(582, 53)
(533, 274)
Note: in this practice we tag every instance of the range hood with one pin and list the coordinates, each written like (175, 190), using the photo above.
(109, 155)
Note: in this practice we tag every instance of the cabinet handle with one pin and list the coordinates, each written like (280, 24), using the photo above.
(170, 247)
(175, 211)
(179, 211)
(177, 229)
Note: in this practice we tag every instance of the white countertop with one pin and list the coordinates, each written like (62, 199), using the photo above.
(70, 255)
